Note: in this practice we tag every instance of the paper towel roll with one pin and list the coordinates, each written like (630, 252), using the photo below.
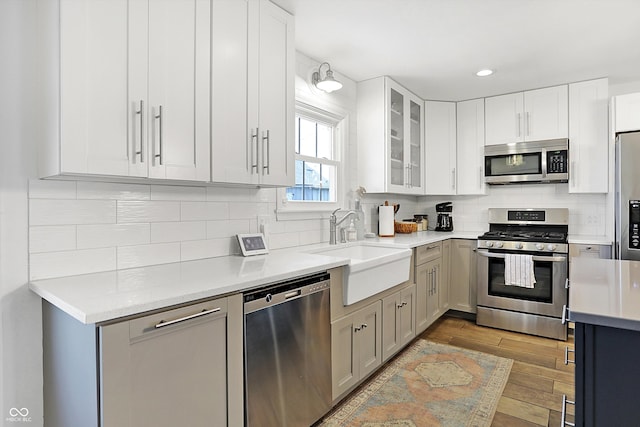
(385, 221)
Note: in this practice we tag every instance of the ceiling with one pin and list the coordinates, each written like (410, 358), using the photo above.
(434, 47)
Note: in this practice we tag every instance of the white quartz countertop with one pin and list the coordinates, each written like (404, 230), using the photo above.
(420, 238)
(589, 239)
(605, 292)
(99, 297)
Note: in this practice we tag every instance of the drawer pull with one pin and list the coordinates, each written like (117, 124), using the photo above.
(564, 421)
(162, 323)
(567, 350)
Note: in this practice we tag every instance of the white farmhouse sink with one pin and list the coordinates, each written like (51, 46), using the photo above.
(371, 269)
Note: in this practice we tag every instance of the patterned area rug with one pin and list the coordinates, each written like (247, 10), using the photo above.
(429, 384)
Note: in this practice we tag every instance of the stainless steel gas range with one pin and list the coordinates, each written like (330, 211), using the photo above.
(522, 271)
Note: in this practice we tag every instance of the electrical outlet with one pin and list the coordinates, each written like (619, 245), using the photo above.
(263, 225)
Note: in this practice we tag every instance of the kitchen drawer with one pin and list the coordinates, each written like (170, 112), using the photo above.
(426, 253)
(141, 326)
(589, 251)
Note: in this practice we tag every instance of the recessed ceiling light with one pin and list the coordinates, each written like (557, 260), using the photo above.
(484, 73)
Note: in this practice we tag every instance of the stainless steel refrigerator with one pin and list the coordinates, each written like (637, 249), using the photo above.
(628, 196)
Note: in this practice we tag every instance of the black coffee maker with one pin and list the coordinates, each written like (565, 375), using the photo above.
(444, 221)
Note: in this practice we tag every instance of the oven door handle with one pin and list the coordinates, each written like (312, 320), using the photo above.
(535, 257)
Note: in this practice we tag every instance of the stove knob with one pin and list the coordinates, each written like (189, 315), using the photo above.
(539, 246)
(498, 244)
(489, 244)
(551, 247)
(518, 245)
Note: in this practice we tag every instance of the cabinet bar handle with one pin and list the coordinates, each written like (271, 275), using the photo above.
(162, 323)
(528, 124)
(564, 314)
(566, 283)
(254, 160)
(363, 326)
(453, 178)
(159, 117)
(518, 120)
(563, 419)
(141, 112)
(572, 173)
(567, 350)
(356, 329)
(265, 166)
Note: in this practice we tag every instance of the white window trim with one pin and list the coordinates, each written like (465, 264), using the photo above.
(293, 210)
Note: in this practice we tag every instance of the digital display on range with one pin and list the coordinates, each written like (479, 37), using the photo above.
(526, 216)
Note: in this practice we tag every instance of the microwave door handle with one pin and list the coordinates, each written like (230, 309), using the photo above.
(535, 257)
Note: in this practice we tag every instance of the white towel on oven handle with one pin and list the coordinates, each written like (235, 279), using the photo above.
(518, 270)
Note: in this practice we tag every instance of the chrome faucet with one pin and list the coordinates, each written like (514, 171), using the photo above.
(333, 224)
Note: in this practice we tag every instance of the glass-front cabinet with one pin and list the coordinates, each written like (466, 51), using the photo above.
(390, 138)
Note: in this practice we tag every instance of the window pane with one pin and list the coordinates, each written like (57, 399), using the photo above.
(325, 141)
(307, 134)
(314, 182)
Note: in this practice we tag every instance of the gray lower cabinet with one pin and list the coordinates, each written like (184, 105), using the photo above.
(463, 277)
(356, 348)
(398, 320)
(589, 251)
(428, 278)
(177, 367)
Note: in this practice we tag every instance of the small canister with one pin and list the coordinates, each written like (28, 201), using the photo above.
(418, 220)
(424, 219)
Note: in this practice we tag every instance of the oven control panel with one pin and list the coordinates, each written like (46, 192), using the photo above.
(634, 224)
(523, 246)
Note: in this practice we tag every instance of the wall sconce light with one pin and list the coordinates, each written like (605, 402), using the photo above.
(328, 83)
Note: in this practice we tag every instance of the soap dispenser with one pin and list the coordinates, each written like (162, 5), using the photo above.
(352, 233)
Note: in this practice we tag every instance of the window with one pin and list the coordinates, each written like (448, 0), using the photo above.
(316, 159)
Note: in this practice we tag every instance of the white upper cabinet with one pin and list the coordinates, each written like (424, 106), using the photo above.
(527, 116)
(390, 138)
(133, 89)
(470, 147)
(178, 81)
(588, 137)
(627, 112)
(253, 93)
(440, 143)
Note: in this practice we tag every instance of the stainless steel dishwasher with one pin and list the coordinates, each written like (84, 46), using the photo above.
(288, 352)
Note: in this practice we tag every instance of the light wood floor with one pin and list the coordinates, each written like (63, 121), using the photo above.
(538, 379)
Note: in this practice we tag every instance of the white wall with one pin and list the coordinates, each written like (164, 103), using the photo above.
(20, 336)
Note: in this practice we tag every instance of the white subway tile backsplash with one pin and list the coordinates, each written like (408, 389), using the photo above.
(68, 263)
(102, 236)
(284, 240)
(219, 229)
(175, 192)
(178, 231)
(247, 210)
(204, 211)
(63, 212)
(209, 248)
(113, 191)
(52, 238)
(314, 236)
(142, 255)
(148, 211)
(51, 189)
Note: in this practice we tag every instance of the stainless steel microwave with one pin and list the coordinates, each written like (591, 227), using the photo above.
(534, 161)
